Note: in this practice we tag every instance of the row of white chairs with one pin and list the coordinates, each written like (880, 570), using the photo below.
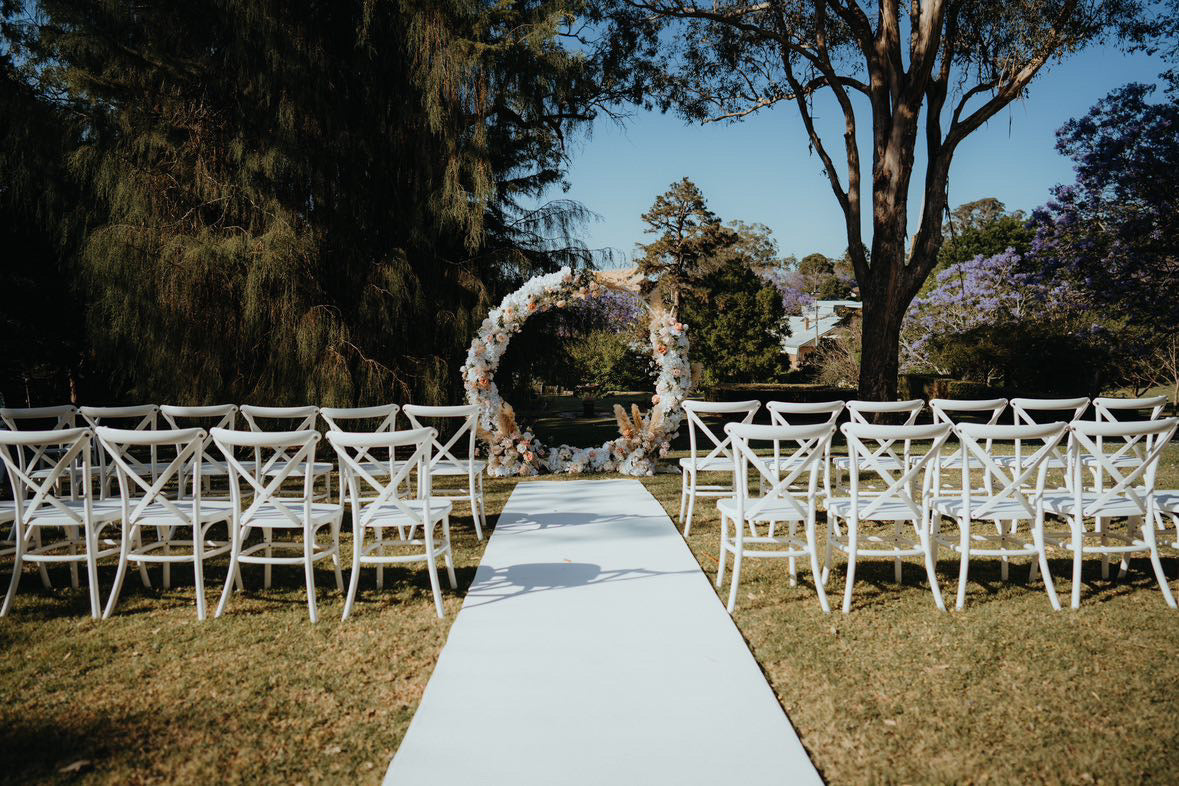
(988, 509)
(710, 451)
(453, 458)
(168, 495)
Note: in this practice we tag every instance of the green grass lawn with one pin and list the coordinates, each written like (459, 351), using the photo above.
(895, 692)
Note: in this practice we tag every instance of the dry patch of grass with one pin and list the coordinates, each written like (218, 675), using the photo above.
(893, 693)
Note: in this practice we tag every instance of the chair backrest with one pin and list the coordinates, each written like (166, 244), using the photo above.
(371, 495)
(1000, 484)
(1108, 409)
(39, 458)
(382, 418)
(782, 412)
(142, 417)
(718, 446)
(36, 496)
(805, 454)
(206, 418)
(140, 486)
(947, 410)
(1068, 409)
(282, 455)
(870, 448)
(907, 411)
(467, 416)
(1135, 482)
(300, 418)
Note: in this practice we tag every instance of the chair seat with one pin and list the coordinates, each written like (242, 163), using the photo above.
(775, 511)
(1128, 460)
(270, 516)
(1167, 501)
(319, 468)
(1007, 510)
(102, 510)
(157, 514)
(389, 515)
(459, 467)
(888, 462)
(718, 464)
(1063, 503)
(891, 510)
(1008, 462)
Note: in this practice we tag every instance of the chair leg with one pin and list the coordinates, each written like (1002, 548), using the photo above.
(41, 568)
(720, 562)
(380, 535)
(92, 572)
(896, 563)
(309, 571)
(1042, 559)
(925, 533)
(963, 562)
(449, 553)
(1104, 542)
(853, 537)
(792, 525)
(435, 588)
(198, 570)
(14, 582)
(1148, 532)
(165, 534)
(1077, 556)
(683, 494)
(691, 505)
(72, 537)
(736, 579)
(268, 536)
(812, 543)
(234, 568)
(354, 579)
(336, 553)
(1004, 561)
(120, 572)
(475, 507)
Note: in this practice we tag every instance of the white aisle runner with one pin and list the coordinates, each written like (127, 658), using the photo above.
(592, 650)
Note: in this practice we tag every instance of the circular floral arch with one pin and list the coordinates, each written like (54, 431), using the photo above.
(642, 436)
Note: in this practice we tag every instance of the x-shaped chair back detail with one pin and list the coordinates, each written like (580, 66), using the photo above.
(1012, 483)
(468, 414)
(1107, 409)
(144, 417)
(222, 416)
(291, 453)
(35, 496)
(33, 459)
(383, 417)
(300, 419)
(1134, 483)
(860, 412)
(782, 412)
(778, 473)
(353, 448)
(946, 410)
(697, 410)
(140, 488)
(868, 446)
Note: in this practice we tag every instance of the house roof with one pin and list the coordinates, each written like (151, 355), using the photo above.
(804, 329)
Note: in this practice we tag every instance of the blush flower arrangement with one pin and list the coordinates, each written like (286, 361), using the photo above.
(643, 438)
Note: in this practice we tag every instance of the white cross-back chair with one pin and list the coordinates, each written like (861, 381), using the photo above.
(283, 456)
(41, 509)
(719, 457)
(871, 453)
(1023, 413)
(954, 412)
(1126, 492)
(144, 417)
(456, 456)
(790, 413)
(167, 498)
(799, 464)
(1122, 453)
(373, 420)
(205, 418)
(905, 412)
(1004, 496)
(38, 463)
(289, 419)
(378, 504)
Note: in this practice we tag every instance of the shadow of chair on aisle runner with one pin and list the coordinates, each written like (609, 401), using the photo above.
(493, 585)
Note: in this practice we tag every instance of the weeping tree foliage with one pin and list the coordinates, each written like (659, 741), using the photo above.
(303, 202)
(926, 74)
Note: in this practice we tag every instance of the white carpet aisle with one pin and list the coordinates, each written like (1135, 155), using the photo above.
(591, 649)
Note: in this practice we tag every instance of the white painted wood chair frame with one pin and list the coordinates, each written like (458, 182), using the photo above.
(38, 462)
(945, 410)
(1064, 409)
(301, 419)
(718, 459)
(144, 417)
(1017, 499)
(378, 504)
(783, 412)
(38, 507)
(1124, 455)
(780, 504)
(870, 451)
(1131, 495)
(205, 418)
(859, 412)
(268, 510)
(155, 497)
(445, 463)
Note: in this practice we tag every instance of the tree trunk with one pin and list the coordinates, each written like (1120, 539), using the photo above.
(880, 344)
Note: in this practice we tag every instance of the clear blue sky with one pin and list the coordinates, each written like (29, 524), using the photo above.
(759, 170)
